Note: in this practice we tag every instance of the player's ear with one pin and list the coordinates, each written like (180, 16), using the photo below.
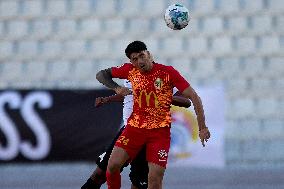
(130, 58)
(148, 53)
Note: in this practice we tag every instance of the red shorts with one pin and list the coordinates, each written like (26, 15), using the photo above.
(157, 143)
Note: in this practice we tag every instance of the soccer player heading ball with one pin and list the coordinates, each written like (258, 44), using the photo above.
(150, 121)
(139, 166)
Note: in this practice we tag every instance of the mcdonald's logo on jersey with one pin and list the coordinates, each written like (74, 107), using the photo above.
(148, 98)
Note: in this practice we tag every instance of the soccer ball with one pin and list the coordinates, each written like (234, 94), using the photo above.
(177, 16)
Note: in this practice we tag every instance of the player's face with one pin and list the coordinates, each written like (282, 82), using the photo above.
(142, 60)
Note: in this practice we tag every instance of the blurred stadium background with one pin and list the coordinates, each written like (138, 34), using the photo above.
(61, 44)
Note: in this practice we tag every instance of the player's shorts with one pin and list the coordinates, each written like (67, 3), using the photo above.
(157, 143)
(139, 166)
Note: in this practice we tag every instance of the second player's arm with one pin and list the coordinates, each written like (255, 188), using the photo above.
(181, 101)
(104, 100)
(114, 98)
(177, 100)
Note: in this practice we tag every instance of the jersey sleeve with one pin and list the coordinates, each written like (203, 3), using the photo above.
(178, 81)
(122, 71)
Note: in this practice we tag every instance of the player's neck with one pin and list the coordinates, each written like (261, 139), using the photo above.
(151, 66)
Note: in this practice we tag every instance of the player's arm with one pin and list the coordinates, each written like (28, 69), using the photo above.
(105, 77)
(190, 93)
(181, 101)
(104, 100)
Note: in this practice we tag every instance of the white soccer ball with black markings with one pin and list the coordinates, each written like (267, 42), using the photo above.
(177, 16)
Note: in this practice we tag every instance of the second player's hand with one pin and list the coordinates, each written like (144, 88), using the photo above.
(123, 91)
(204, 135)
(100, 101)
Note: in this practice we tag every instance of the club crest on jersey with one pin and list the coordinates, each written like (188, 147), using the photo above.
(158, 83)
(163, 155)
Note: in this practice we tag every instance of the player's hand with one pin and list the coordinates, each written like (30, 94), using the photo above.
(123, 91)
(100, 101)
(204, 135)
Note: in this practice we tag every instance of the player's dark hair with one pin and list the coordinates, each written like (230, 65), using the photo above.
(135, 47)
